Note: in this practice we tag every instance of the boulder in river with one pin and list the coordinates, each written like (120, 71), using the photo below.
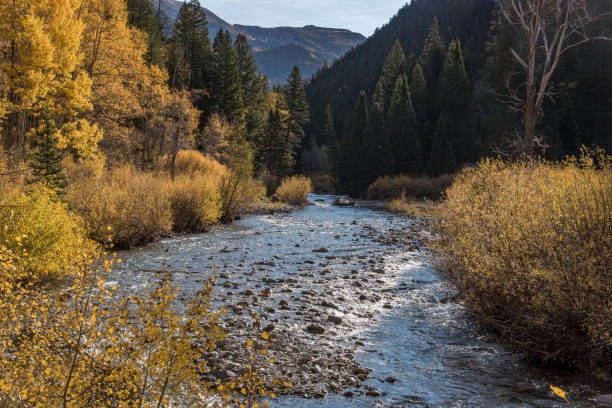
(343, 202)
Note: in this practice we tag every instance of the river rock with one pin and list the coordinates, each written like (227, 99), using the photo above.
(343, 202)
(334, 319)
(314, 329)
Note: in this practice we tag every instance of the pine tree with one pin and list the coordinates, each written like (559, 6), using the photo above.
(376, 157)
(454, 94)
(395, 65)
(351, 148)
(410, 64)
(329, 139)
(228, 91)
(252, 87)
(297, 108)
(431, 61)
(142, 15)
(190, 49)
(46, 161)
(432, 57)
(405, 141)
(418, 90)
(278, 157)
(442, 153)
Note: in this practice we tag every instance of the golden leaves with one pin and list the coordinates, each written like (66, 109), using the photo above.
(559, 392)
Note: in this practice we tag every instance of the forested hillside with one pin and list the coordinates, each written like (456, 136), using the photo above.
(435, 84)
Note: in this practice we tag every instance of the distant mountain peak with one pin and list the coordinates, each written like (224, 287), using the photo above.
(278, 49)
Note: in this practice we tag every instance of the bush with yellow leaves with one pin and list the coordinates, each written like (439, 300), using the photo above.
(123, 205)
(529, 246)
(40, 228)
(295, 190)
(416, 187)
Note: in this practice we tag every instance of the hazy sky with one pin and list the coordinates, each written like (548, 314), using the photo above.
(362, 16)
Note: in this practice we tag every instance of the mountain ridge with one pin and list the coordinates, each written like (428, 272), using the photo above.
(274, 48)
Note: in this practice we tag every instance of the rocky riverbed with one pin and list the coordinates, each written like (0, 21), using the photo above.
(357, 317)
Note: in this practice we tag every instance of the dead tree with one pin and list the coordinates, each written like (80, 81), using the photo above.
(549, 29)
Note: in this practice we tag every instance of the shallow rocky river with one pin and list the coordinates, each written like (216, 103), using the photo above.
(358, 317)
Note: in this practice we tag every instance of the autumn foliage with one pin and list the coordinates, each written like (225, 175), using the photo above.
(529, 246)
(295, 190)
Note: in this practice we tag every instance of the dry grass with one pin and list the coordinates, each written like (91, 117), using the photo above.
(295, 190)
(414, 187)
(529, 245)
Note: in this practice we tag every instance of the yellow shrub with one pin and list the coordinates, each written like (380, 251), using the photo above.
(192, 162)
(295, 190)
(45, 235)
(412, 186)
(529, 245)
(195, 202)
(131, 207)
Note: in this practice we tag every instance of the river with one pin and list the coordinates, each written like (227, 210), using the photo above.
(352, 287)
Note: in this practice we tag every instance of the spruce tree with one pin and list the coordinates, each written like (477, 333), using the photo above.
(418, 90)
(143, 15)
(190, 48)
(46, 161)
(454, 94)
(329, 139)
(394, 66)
(252, 87)
(351, 148)
(405, 141)
(297, 108)
(228, 91)
(376, 156)
(432, 57)
(442, 153)
(278, 157)
(431, 61)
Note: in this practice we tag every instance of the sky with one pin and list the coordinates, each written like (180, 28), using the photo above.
(362, 16)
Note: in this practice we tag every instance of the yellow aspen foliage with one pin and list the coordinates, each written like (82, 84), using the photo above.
(42, 69)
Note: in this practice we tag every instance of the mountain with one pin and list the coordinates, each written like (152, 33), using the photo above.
(277, 50)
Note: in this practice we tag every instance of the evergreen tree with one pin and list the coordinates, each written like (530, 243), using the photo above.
(405, 141)
(297, 108)
(410, 64)
(454, 93)
(431, 61)
(227, 88)
(376, 158)
(442, 153)
(394, 66)
(252, 87)
(46, 161)
(432, 57)
(418, 90)
(190, 59)
(330, 139)
(142, 15)
(278, 157)
(350, 148)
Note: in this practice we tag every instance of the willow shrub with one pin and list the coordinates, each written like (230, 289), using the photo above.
(46, 235)
(295, 190)
(529, 246)
(411, 186)
(123, 205)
